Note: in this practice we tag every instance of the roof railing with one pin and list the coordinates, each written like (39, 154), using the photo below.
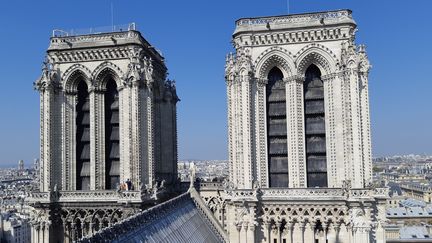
(295, 18)
(96, 30)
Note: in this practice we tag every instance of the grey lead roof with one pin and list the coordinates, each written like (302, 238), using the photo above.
(176, 220)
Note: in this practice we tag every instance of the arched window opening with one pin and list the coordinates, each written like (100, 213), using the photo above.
(112, 147)
(82, 138)
(314, 113)
(277, 149)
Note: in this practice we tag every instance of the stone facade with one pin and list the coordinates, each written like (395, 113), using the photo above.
(287, 73)
(79, 180)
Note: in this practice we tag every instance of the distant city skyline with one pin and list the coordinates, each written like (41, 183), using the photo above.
(395, 34)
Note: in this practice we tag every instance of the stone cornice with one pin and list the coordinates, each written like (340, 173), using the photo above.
(328, 77)
(295, 78)
(130, 37)
(320, 26)
(296, 36)
(88, 55)
(297, 18)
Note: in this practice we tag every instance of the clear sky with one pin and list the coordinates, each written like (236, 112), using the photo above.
(194, 36)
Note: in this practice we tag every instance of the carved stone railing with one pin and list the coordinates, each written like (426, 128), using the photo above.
(208, 215)
(209, 186)
(359, 193)
(85, 196)
(38, 197)
(381, 192)
(99, 196)
(243, 194)
(303, 193)
(296, 18)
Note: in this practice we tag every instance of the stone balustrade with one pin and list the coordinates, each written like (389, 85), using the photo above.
(305, 193)
(86, 196)
(296, 18)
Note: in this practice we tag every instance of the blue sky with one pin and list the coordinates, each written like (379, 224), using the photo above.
(194, 36)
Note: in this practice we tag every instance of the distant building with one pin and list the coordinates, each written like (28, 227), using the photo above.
(15, 229)
(417, 190)
(21, 165)
(402, 177)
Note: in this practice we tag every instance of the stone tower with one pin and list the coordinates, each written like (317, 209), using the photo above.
(300, 167)
(106, 109)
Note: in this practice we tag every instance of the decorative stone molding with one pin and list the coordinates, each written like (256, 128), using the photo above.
(71, 76)
(297, 18)
(103, 70)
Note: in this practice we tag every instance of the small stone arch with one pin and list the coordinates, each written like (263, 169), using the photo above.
(105, 70)
(316, 54)
(73, 75)
(274, 57)
(116, 216)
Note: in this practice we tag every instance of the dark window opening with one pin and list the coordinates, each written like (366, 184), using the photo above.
(315, 134)
(277, 147)
(83, 138)
(112, 145)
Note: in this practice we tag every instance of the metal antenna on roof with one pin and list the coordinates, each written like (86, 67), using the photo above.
(112, 17)
(287, 6)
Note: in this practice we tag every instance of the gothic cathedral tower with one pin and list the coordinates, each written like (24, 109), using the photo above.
(299, 133)
(106, 109)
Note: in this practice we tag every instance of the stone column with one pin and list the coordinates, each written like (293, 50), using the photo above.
(364, 67)
(244, 231)
(247, 138)
(73, 233)
(289, 229)
(267, 231)
(32, 233)
(260, 130)
(150, 136)
(351, 232)
(97, 141)
(360, 234)
(330, 100)
(278, 230)
(325, 232)
(41, 233)
(381, 218)
(294, 105)
(352, 127)
(239, 228)
(69, 150)
(66, 233)
(231, 138)
(302, 227)
(46, 232)
(35, 233)
(251, 233)
(125, 132)
(332, 233)
(344, 234)
(309, 232)
(91, 228)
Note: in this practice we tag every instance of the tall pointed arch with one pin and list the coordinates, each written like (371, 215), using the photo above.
(104, 72)
(315, 133)
(277, 148)
(82, 137)
(112, 136)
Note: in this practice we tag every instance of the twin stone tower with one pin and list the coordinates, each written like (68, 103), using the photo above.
(300, 167)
